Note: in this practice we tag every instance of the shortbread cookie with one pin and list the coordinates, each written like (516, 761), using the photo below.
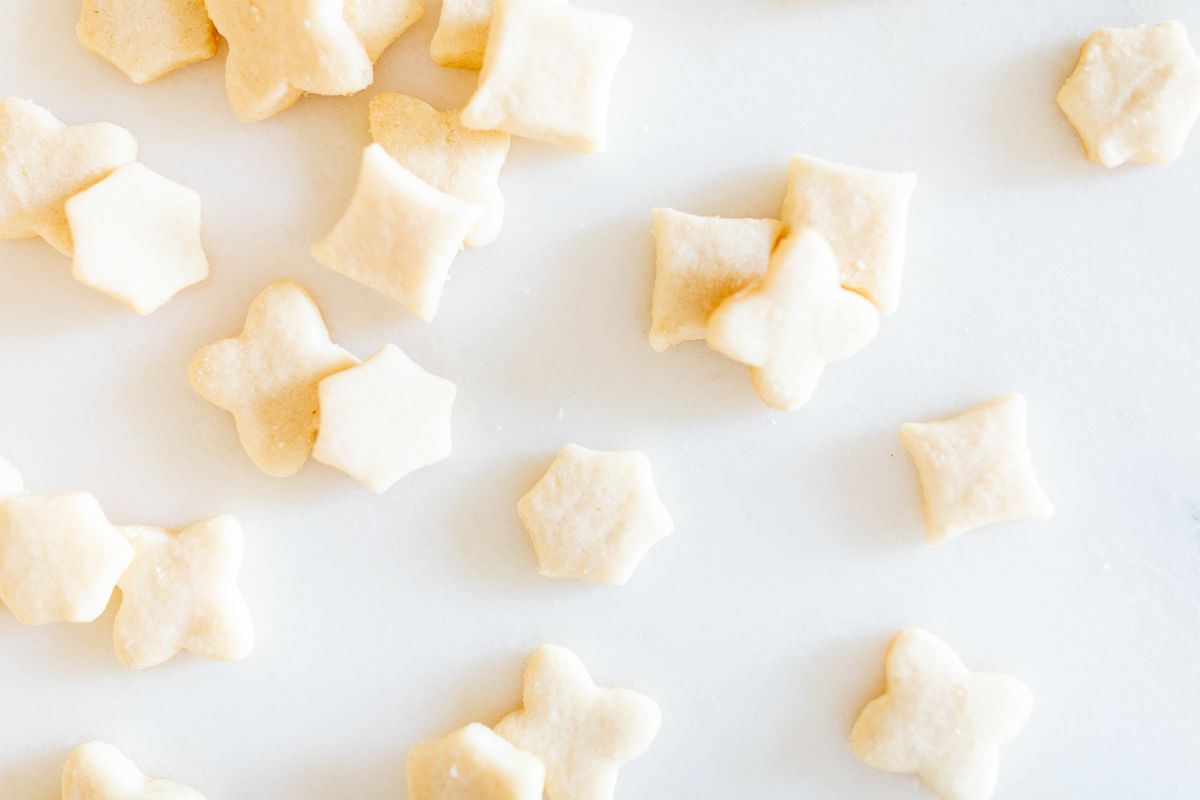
(146, 39)
(794, 322)
(473, 763)
(435, 147)
(43, 162)
(399, 234)
(11, 481)
(379, 23)
(180, 593)
(99, 771)
(1135, 94)
(384, 419)
(940, 720)
(699, 261)
(267, 376)
(975, 469)
(548, 72)
(462, 33)
(594, 515)
(862, 213)
(279, 49)
(60, 558)
(137, 237)
(583, 733)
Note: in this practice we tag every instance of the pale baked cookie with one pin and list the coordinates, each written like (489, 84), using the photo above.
(11, 481)
(43, 162)
(583, 733)
(1135, 94)
(180, 593)
(267, 376)
(146, 39)
(975, 469)
(60, 558)
(137, 237)
(699, 261)
(378, 23)
(99, 771)
(435, 147)
(594, 515)
(399, 235)
(940, 720)
(548, 72)
(279, 49)
(462, 33)
(473, 763)
(795, 321)
(384, 419)
(862, 213)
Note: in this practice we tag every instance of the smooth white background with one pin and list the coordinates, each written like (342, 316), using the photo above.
(760, 625)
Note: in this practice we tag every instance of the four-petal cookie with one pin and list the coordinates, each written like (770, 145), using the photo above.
(975, 469)
(267, 376)
(180, 593)
(99, 771)
(940, 720)
(473, 763)
(594, 515)
(462, 33)
(59, 557)
(582, 732)
(146, 39)
(378, 23)
(1135, 94)
(794, 322)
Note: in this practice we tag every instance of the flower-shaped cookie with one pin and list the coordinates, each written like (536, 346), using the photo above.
(99, 771)
(1135, 94)
(793, 323)
(473, 763)
(462, 33)
(940, 720)
(378, 23)
(146, 39)
(582, 732)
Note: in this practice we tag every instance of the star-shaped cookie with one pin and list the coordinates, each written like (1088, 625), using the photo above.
(975, 469)
(146, 39)
(11, 481)
(594, 515)
(60, 558)
(436, 147)
(473, 763)
(795, 321)
(279, 49)
(267, 376)
(137, 237)
(399, 234)
(384, 419)
(940, 720)
(378, 23)
(43, 162)
(462, 33)
(99, 771)
(583, 733)
(1135, 94)
(180, 593)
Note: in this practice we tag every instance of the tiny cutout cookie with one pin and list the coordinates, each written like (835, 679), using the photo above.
(473, 763)
(180, 593)
(583, 733)
(379, 23)
(11, 481)
(279, 49)
(462, 33)
(699, 261)
(60, 558)
(1135, 94)
(399, 235)
(940, 720)
(99, 771)
(548, 72)
(267, 376)
(384, 419)
(435, 147)
(975, 469)
(146, 39)
(594, 515)
(862, 213)
(137, 237)
(793, 323)
(43, 163)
